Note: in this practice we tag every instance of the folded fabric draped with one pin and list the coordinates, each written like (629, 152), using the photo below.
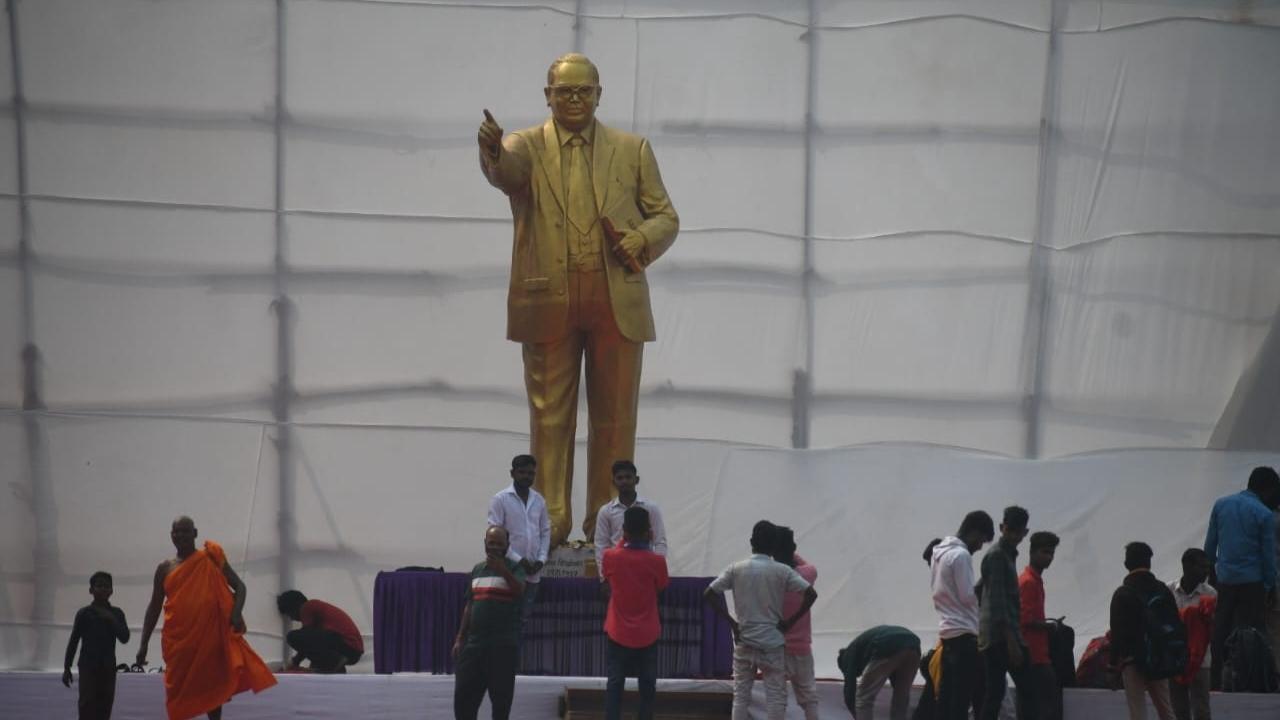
(206, 660)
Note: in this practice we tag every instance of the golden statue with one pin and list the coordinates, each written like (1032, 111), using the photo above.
(590, 213)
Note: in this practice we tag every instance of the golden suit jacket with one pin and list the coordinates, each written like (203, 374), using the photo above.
(628, 191)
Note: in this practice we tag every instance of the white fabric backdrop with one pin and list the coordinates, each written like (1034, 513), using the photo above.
(151, 190)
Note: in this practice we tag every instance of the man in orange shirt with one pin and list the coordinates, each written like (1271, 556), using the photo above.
(328, 636)
(635, 575)
(206, 658)
(1036, 629)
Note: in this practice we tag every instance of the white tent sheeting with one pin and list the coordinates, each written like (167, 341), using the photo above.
(1032, 245)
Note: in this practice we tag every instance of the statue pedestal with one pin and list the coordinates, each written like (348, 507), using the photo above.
(571, 560)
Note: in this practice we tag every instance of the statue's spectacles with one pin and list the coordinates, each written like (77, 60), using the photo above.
(566, 92)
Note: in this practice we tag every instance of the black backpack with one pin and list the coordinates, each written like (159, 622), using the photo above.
(1164, 637)
(1062, 657)
(1248, 665)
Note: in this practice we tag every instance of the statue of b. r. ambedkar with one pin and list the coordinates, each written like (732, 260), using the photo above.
(590, 214)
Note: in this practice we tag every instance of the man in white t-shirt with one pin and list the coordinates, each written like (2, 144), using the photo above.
(956, 602)
(759, 586)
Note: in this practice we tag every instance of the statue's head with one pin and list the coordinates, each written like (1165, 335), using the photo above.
(573, 91)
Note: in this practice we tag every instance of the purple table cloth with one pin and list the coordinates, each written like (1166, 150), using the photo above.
(416, 616)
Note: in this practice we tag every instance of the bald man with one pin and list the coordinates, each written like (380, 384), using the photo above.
(485, 650)
(206, 658)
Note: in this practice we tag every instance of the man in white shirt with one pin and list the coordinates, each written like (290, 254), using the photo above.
(609, 518)
(1192, 701)
(958, 615)
(759, 586)
(522, 512)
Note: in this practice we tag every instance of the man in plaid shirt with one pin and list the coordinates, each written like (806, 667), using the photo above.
(999, 635)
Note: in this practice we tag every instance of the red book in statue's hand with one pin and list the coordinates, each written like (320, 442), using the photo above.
(614, 239)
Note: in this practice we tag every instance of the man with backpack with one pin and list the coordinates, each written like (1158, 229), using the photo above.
(1241, 544)
(1148, 640)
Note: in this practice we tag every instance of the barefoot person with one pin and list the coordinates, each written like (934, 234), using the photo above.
(206, 657)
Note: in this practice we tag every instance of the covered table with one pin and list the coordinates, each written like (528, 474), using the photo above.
(416, 616)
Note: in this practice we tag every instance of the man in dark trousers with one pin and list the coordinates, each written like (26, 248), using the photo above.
(1000, 634)
(1128, 604)
(1036, 629)
(328, 636)
(98, 626)
(1196, 601)
(485, 649)
(954, 598)
(1241, 544)
(635, 575)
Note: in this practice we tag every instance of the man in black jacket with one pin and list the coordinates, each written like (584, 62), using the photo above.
(1128, 633)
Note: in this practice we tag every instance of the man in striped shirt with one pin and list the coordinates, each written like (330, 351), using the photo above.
(485, 649)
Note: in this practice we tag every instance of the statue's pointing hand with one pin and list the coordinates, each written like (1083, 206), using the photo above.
(490, 135)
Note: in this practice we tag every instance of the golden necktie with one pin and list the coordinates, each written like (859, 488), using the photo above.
(582, 202)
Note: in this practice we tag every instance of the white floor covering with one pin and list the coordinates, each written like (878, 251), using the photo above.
(40, 696)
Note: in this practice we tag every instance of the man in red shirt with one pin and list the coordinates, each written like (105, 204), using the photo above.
(327, 636)
(1036, 629)
(634, 575)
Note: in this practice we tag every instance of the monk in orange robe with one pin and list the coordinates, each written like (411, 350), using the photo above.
(206, 658)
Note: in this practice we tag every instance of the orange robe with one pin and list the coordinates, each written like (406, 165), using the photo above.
(205, 660)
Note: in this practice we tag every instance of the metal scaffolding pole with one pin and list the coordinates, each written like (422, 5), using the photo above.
(46, 565)
(1037, 321)
(283, 391)
(802, 382)
(26, 305)
(577, 26)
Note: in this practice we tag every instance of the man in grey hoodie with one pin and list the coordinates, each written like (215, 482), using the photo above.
(957, 604)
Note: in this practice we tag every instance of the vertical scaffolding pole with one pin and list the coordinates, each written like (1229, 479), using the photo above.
(45, 562)
(27, 301)
(1038, 299)
(282, 394)
(802, 382)
(577, 26)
